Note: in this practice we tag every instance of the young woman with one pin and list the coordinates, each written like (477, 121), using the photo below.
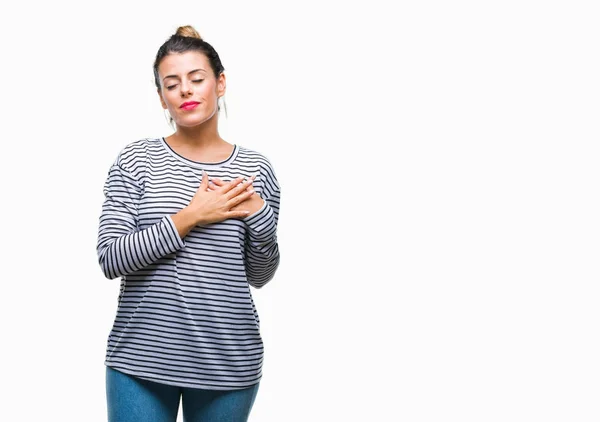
(189, 223)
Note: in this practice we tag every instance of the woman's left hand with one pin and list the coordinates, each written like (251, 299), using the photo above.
(252, 204)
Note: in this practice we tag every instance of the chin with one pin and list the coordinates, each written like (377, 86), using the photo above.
(191, 121)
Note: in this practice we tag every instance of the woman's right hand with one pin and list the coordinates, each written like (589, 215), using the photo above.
(215, 204)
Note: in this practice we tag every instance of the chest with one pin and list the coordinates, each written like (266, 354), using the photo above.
(169, 187)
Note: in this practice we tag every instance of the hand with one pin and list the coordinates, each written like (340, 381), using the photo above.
(218, 204)
(250, 204)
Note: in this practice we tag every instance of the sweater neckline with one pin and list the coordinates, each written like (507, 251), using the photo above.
(200, 164)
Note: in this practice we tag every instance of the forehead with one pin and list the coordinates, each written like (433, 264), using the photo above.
(182, 63)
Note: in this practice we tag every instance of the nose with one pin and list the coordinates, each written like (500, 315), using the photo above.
(186, 89)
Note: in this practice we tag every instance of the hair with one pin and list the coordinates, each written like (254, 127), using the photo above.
(185, 39)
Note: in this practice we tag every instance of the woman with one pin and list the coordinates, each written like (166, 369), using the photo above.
(189, 223)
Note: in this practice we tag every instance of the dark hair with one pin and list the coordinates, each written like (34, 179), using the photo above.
(185, 39)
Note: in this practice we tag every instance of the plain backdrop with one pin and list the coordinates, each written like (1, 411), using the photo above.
(439, 229)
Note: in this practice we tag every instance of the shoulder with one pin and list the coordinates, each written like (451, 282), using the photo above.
(134, 156)
(266, 173)
(252, 156)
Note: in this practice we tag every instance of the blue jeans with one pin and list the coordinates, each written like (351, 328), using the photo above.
(131, 399)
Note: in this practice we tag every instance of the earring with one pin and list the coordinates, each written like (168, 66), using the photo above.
(167, 115)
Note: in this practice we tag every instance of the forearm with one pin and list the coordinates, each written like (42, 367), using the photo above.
(121, 253)
(184, 221)
(262, 250)
(261, 265)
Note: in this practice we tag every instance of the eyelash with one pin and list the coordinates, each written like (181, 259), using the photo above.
(170, 87)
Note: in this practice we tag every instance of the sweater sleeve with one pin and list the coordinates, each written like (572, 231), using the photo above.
(262, 250)
(122, 248)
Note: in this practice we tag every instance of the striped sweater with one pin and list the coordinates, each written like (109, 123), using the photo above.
(185, 314)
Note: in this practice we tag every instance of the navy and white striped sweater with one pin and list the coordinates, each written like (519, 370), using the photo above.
(185, 313)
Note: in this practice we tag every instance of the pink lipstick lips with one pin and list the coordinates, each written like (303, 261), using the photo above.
(189, 105)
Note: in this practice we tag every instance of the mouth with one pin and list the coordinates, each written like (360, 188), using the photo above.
(189, 105)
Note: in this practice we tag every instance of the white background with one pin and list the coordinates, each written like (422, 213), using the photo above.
(439, 226)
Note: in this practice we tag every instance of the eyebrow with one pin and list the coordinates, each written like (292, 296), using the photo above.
(189, 73)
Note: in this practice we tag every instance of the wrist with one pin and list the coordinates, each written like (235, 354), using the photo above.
(184, 221)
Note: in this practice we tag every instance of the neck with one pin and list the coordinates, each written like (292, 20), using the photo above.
(203, 135)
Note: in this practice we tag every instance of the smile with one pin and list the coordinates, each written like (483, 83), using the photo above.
(189, 106)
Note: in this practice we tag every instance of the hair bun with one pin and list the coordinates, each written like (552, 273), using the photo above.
(188, 31)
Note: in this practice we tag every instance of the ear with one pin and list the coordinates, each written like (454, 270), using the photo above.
(221, 85)
(162, 101)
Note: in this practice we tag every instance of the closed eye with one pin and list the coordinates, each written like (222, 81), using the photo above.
(171, 87)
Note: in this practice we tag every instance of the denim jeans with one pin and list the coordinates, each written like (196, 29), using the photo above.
(131, 399)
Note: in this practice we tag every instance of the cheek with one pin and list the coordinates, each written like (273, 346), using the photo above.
(208, 91)
(172, 100)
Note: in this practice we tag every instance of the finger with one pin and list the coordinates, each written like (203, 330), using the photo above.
(250, 179)
(240, 198)
(245, 179)
(231, 185)
(204, 182)
(241, 187)
(247, 184)
(246, 187)
(238, 214)
(219, 182)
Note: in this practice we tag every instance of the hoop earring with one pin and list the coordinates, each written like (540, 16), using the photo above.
(222, 99)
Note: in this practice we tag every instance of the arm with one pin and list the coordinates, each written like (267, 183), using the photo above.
(122, 248)
(262, 250)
